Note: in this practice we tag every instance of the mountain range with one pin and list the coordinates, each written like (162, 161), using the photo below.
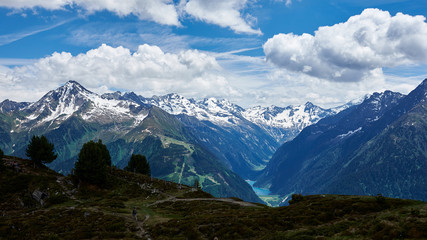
(376, 147)
(243, 139)
(71, 115)
(210, 140)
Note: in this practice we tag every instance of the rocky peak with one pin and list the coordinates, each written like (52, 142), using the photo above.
(10, 106)
(117, 95)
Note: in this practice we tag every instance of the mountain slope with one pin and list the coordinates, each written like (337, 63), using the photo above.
(220, 127)
(367, 149)
(175, 155)
(306, 161)
(244, 147)
(71, 115)
(166, 210)
(244, 140)
(393, 163)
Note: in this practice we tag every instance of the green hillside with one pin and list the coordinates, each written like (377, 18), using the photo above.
(170, 211)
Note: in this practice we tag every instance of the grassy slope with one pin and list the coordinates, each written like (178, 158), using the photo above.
(166, 211)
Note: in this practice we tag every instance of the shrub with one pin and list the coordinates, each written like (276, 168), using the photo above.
(296, 198)
(380, 198)
(40, 150)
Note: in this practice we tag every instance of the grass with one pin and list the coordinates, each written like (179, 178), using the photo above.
(271, 200)
(88, 211)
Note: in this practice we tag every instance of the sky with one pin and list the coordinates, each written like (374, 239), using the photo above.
(251, 52)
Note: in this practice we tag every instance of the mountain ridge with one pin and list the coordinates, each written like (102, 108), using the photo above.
(324, 155)
(244, 144)
(71, 115)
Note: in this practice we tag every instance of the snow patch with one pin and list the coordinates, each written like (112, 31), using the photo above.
(349, 133)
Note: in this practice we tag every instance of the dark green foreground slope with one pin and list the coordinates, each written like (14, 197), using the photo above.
(169, 211)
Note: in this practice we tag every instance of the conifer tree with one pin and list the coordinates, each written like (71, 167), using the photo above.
(196, 183)
(40, 150)
(91, 165)
(139, 164)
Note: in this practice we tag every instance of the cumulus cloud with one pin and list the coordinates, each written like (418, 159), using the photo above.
(244, 80)
(147, 71)
(225, 13)
(160, 11)
(354, 50)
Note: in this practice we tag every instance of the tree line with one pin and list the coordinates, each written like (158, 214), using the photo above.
(92, 163)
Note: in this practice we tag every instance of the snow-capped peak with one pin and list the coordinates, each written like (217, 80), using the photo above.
(285, 122)
(298, 116)
(282, 123)
(211, 109)
(279, 122)
(72, 98)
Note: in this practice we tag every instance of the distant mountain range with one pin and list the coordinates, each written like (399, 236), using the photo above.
(71, 115)
(376, 147)
(243, 139)
(184, 139)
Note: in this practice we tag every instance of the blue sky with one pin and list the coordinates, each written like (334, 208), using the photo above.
(251, 52)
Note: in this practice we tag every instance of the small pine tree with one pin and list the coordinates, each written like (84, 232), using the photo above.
(139, 164)
(40, 150)
(91, 165)
(196, 183)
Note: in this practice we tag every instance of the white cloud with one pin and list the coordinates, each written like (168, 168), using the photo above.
(354, 50)
(225, 13)
(147, 71)
(244, 80)
(160, 11)
(51, 5)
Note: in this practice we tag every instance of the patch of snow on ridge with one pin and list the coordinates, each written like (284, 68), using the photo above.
(349, 133)
(290, 117)
(211, 109)
(63, 110)
(139, 119)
